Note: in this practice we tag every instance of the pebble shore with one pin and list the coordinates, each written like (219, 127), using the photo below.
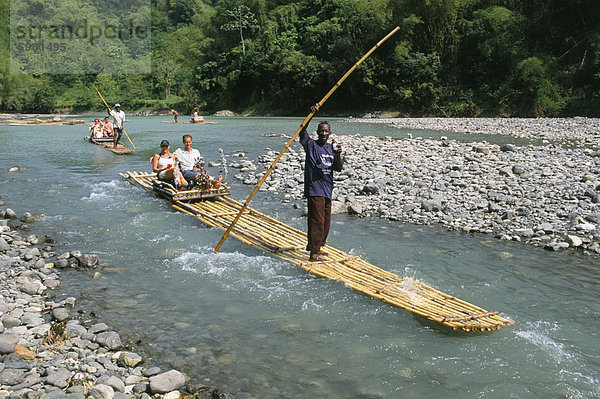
(46, 350)
(547, 195)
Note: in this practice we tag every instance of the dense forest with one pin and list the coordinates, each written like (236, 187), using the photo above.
(450, 58)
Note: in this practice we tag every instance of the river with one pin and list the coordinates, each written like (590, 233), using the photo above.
(255, 326)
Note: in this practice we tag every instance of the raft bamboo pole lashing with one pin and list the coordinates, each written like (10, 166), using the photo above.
(302, 126)
(271, 235)
(260, 240)
(285, 229)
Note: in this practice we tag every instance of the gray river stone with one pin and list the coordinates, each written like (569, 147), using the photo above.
(59, 378)
(9, 338)
(27, 218)
(102, 391)
(32, 253)
(88, 260)
(9, 321)
(10, 214)
(166, 382)
(11, 376)
(32, 288)
(149, 372)
(115, 383)
(129, 359)
(4, 245)
(109, 339)
(32, 320)
(75, 329)
(60, 314)
(98, 328)
(6, 348)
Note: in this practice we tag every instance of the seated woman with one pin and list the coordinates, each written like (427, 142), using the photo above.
(165, 166)
(96, 129)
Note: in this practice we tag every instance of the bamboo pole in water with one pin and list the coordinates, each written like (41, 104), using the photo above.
(302, 126)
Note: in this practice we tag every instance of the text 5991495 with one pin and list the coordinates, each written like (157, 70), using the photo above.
(41, 46)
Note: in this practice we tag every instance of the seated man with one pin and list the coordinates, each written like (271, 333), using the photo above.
(191, 165)
(189, 159)
(107, 127)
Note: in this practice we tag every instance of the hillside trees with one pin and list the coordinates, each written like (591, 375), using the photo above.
(451, 57)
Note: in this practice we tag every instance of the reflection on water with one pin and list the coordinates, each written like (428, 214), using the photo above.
(256, 326)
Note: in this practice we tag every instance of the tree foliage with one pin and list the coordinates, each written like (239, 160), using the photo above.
(451, 57)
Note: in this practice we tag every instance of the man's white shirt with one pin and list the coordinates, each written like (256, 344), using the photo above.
(119, 117)
(187, 160)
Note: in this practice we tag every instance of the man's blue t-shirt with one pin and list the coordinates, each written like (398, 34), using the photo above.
(318, 168)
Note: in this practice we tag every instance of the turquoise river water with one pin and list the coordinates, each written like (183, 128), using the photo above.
(258, 327)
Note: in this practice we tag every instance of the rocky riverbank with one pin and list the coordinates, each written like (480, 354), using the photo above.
(546, 195)
(46, 349)
(31, 119)
(580, 129)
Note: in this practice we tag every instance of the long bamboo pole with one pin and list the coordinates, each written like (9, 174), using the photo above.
(109, 111)
(302, 126)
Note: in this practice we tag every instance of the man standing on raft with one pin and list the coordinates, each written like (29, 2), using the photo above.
(119, 117)
(321, 160)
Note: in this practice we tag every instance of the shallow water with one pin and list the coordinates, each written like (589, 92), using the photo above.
(255, 326)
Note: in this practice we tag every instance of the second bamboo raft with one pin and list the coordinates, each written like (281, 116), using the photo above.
(285, 242)
(108, 143)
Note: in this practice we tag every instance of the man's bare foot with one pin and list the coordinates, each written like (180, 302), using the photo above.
(314, 257)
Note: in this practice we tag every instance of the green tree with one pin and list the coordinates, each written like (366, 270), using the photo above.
(165, 70)
(536, 93)
(241, 18)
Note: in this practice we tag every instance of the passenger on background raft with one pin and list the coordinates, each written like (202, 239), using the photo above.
(96, 129)
(165, 166)
(321, 160)
(195, 117)
(192, 166)
(107, 127)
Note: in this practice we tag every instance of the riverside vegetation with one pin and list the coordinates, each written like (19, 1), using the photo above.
(450, 58)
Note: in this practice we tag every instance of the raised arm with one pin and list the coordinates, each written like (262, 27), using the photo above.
(303, 134)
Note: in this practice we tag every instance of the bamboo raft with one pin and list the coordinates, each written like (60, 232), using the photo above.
(285, 242)
(107, 142)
